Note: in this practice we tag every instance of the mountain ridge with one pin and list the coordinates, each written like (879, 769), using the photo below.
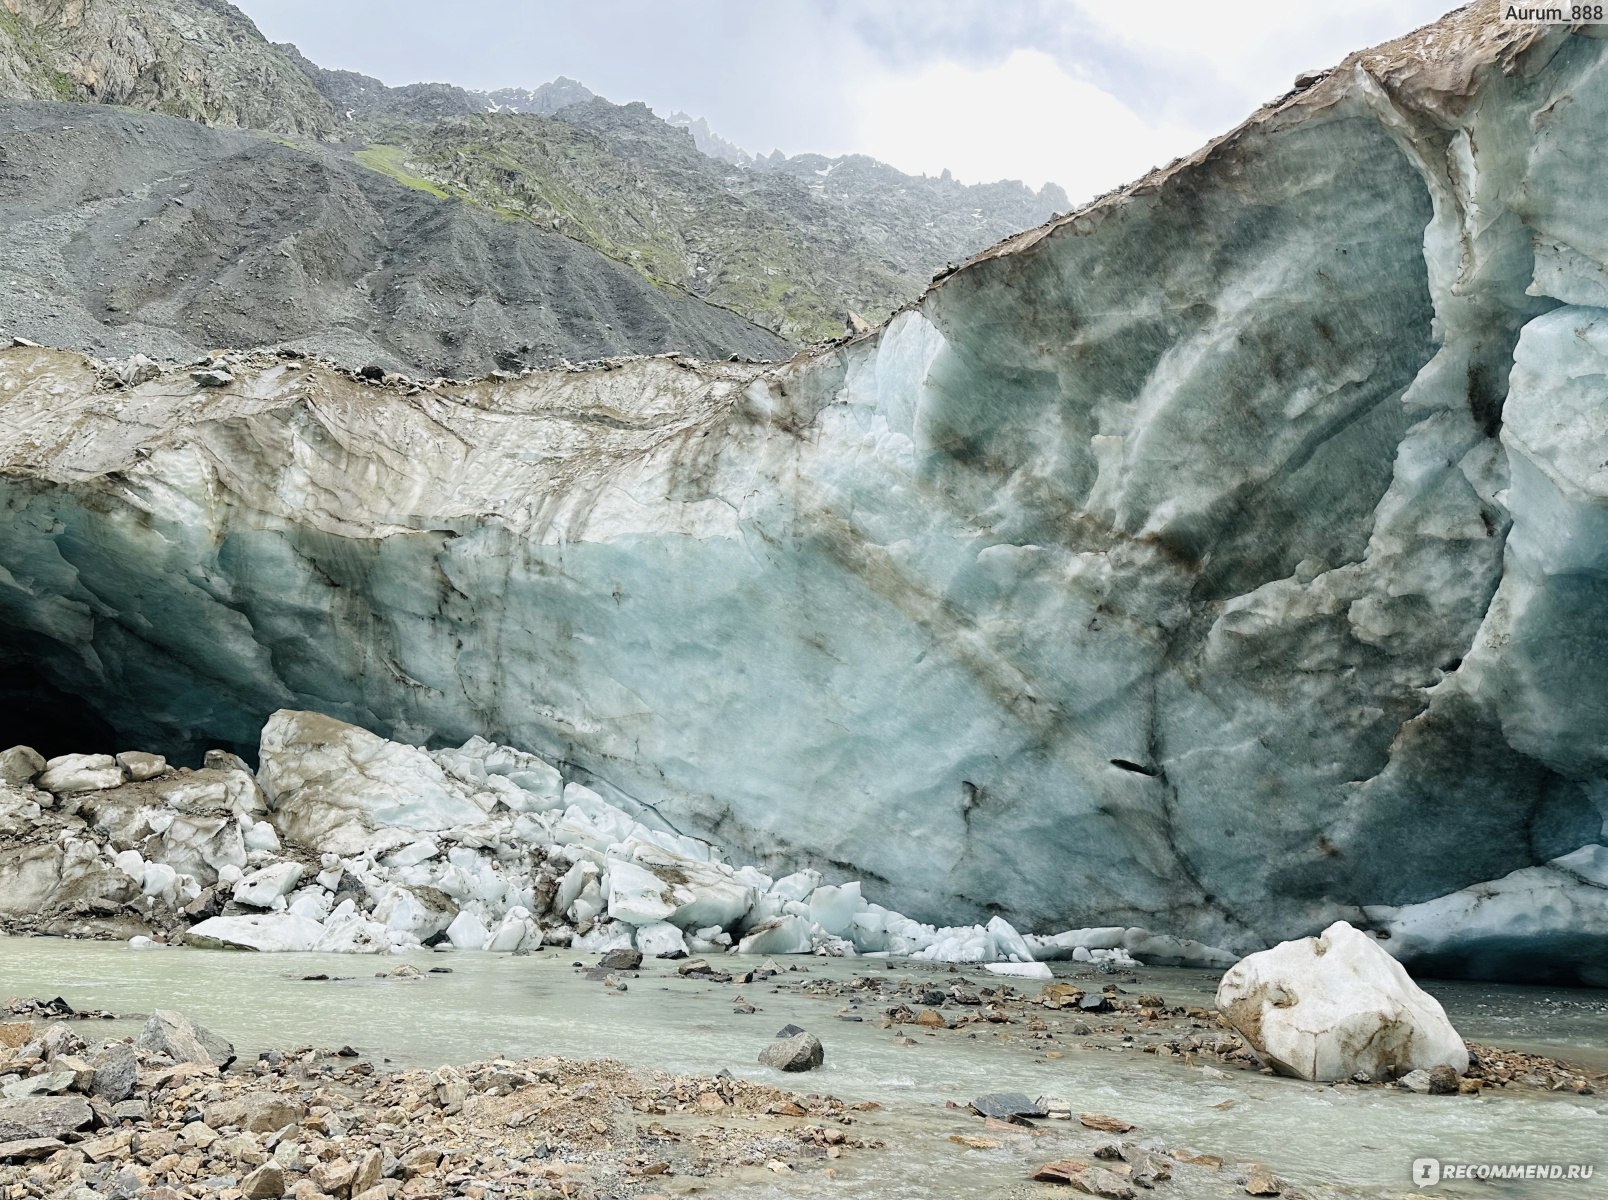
(793, 244)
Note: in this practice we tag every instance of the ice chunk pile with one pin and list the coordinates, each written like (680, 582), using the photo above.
(347, 842)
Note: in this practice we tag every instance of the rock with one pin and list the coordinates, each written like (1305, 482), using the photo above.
(1086, 1178)
(225, 760)
(43, 1117)
(265, 1182)
(1105, 1123)
(371, 371)
(70, 774)
(370, 1170)
(115, 1071)
(48, 1083)
(132, 1110)
(1415, 1081)
(621, 959)
(1329, 1007)
(1443, 1081)
(135, 370)
(139, 766)
(801, 1052)
(1015, 1107)
(334, 1176)
(855, 324)
(28, 1149)
(19, 342)
(175, 1035)
(1262, 1182)
(211, 377)
(20, 765)
(254, 1112)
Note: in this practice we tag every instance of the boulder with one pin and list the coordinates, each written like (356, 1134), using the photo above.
(621, 960)
(254, 1112)
(20, 765)
(116, 1070)
(1009, 1106)
(1337, 1005)
(801, 1052)
(69, 774)
(181, 1039)
(42, 1117)
(140, 766)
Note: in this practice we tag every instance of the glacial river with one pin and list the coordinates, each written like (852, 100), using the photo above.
(1360, 1140)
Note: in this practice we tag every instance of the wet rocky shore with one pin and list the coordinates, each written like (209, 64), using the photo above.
(164, 1108)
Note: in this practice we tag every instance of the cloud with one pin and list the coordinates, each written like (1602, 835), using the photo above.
(1024, 117)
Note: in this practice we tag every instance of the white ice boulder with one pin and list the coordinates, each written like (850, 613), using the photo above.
(1336, 1005)
(467, 932)
(268, 932)
(516, 930)
(661, 940)
(261, 836)
(131, 864)
(780, 935)
(335, 787)
(69, 774)
(834, 908)
(1019, 970)
(638, 896)
(262, 887)
(419, 912)
(796, 886)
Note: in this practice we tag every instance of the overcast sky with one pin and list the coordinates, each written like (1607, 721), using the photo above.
(1087, 93)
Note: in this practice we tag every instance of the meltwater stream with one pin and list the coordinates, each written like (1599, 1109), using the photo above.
(1359, 1140)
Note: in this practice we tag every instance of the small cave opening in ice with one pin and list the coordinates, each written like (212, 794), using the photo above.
(39, 714)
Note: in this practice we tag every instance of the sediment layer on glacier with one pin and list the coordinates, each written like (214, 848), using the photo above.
(1222, 558)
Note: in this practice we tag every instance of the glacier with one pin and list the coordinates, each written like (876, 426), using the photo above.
(1225, 558)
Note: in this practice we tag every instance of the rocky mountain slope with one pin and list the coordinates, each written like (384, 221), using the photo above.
(792, 244)
(1225, 558)
(200, 59)
(129, 232)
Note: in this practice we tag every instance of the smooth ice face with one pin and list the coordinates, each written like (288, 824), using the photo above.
(1184, 566)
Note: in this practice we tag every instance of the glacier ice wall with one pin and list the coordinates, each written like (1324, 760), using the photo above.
(1222, 558)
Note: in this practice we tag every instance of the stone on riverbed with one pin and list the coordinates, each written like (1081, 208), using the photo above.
(621, 960)
(801, 1052)
(1337, 1005)
(1008, 1106)
(182, 1040)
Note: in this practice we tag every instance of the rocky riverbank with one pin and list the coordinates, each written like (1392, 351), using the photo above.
(171, 1114)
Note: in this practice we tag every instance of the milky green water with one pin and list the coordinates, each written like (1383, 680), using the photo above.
(1362, 1141)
